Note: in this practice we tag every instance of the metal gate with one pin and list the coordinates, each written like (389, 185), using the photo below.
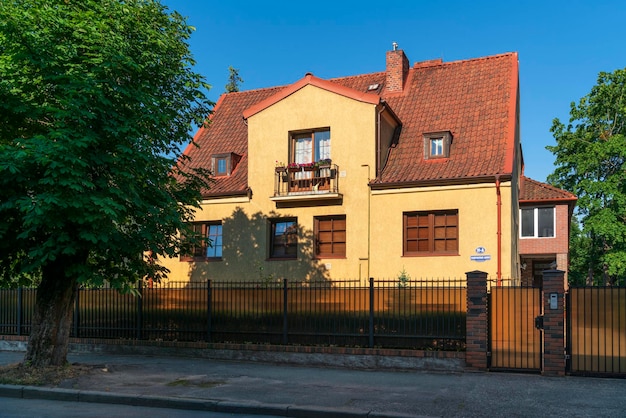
(596, 331)
(515, 344)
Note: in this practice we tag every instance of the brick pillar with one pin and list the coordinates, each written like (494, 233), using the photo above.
(553, 324)
(476, 321)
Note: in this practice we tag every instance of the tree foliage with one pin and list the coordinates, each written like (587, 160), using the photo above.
(590, 155)
(96, 99)
(234, 80)
(581, 256)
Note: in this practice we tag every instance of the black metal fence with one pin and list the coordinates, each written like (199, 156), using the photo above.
(16, 310)
(390, 314)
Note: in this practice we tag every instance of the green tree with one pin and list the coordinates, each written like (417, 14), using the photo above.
(590, 154)
(233, 80)
(581, 256)
(96, 99)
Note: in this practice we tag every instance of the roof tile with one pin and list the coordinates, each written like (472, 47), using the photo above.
(535, 191)
(475, 99)
(227, 132)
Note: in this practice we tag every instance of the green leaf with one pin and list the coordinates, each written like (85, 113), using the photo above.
(590, 162)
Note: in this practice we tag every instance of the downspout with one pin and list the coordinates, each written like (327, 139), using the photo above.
(499, 228)
(369, 222)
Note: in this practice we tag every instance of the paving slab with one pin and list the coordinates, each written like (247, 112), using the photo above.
(288, 390)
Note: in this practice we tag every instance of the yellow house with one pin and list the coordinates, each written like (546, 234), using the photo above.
(414, 169)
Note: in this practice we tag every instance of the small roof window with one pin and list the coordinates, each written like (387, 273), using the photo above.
(437, 145)
(224, 164)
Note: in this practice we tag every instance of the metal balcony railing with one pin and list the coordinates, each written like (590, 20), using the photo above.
(319, 180)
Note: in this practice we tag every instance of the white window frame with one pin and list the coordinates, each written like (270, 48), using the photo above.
(536, 222)
(436, 147)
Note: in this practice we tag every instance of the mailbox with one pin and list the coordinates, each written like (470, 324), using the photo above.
(554, 300)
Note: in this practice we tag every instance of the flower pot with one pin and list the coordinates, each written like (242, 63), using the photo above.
(324, 171)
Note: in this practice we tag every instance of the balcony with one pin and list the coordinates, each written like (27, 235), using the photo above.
(306, 183)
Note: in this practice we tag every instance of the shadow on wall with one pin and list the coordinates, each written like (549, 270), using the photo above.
(245, 254)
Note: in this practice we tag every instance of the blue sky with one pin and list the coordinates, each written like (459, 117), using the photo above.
(562, 46)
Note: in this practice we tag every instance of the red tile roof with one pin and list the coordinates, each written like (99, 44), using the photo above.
(310, 79)
(535, 191)
(226, 133)
(475, 99)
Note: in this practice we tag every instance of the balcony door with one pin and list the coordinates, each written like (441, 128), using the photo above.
(308, 148)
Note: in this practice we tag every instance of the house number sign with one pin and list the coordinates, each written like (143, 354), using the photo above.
(481, 256)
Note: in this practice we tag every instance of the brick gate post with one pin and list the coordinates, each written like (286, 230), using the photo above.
(476, 321)
(553, 323)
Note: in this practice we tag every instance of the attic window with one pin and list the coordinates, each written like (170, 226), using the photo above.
(224, 164)
(373, 87)
(437, 145)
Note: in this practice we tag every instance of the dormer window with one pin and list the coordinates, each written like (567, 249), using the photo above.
(437, 145)
(224, 164)
(221, 166)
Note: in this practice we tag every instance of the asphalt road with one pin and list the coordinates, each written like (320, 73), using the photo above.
(40, 408)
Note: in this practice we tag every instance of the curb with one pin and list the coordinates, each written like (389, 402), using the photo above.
(234, 407)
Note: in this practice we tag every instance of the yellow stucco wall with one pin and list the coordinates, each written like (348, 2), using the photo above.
(477, 226)
(373, 220)
(245, 223)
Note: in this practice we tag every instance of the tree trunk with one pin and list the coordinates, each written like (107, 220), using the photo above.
(52, 320)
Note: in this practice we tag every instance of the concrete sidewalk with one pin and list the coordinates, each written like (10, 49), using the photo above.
(299, 391)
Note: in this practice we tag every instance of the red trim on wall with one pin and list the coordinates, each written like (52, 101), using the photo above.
(310, 79)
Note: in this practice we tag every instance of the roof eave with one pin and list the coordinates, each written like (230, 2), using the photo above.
(227, 194)
(551, 200)
(509, 159)
(441, 182)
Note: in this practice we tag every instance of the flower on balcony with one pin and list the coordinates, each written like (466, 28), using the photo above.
(298, 166)
(280, 167)
(324, 162)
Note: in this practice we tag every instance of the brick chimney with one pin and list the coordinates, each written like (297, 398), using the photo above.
(397, 70)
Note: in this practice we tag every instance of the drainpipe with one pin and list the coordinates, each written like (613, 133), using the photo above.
(369, 221)
(499, 233)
